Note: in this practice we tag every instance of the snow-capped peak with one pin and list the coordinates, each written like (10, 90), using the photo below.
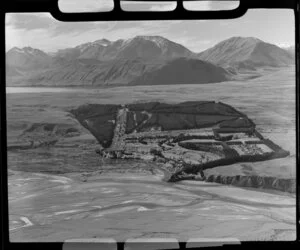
(158, 40)
(30, 50)
(103, 42)
(27, 51)
(83, 46)
(18, 50)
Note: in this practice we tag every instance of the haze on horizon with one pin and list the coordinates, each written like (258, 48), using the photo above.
(42, 31)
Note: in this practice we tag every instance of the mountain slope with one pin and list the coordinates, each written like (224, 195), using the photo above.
(27, 58)
(183, 71)
(246, 53)
(152, 47)
(12, 71)
(145, 47)
(129, 72)
(90, 50)
(91, 72)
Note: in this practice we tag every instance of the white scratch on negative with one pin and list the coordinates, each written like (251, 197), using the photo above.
(27, 222)
(67, 212)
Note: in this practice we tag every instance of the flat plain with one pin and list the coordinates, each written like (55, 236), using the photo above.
(60, 186)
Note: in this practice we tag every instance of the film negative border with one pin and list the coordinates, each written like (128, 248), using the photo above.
(13, 6)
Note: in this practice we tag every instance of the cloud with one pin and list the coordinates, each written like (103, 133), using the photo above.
(224, 5)
(41, 30)
(148, 6)
(197, 5)
(44, 32)
(210, 5)
(164, 7)
(194, 43)
(126, 28)
(85, 5)
(44, 21)
(107, 5)
(71, 29)
(28, 21)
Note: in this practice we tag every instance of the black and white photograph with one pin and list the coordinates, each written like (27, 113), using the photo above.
(159, 129)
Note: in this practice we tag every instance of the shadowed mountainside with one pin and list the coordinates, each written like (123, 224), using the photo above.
(91, 72)
(183, 71)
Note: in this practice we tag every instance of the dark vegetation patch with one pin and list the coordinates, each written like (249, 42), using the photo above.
(99, 120)
(156, 116)
(191, 107)
(102, 128)
(186, 115)
(94, 110)
(202, 147)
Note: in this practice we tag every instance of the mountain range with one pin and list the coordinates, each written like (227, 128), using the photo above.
(142, 60)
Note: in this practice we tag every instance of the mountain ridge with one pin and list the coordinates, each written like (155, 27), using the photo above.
(147, 47)
(246, 52)
(141, 60)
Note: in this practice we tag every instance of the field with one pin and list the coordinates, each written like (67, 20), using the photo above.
(44, 138)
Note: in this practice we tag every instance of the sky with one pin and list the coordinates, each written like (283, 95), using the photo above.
(42, 31)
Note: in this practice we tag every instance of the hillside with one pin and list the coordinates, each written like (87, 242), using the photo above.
(183, 71)
(128, 72)
(27, 58)
(90, 72)
(246, 53)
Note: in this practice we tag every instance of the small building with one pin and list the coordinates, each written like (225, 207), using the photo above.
(112, 153)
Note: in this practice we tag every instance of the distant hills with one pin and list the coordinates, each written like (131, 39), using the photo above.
(27, 58)
(142, 60)
(246, 53)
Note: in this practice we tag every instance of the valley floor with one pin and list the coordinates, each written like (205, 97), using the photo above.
(58, 183)
(49, 208)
